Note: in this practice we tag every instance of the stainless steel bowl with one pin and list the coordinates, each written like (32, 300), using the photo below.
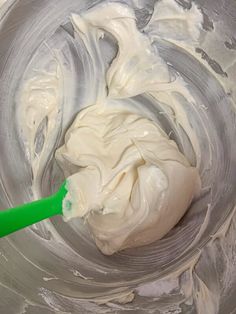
(55, 266)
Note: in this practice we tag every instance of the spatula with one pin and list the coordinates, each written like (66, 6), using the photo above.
(17, 218)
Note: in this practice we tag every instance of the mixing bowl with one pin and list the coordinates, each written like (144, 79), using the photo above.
(55, 266)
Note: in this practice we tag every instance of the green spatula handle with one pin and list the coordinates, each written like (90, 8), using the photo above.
(14, 219)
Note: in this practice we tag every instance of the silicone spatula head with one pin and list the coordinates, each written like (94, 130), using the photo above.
(14, 219)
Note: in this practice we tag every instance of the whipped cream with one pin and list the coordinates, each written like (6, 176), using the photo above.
(129, 180)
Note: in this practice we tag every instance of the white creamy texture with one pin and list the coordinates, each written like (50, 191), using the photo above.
(131, 177)
(40, 98)
(201, 282)
(137, 67)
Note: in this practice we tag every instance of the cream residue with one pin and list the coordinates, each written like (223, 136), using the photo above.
(171, 22)
(204, 278)
(40, 98)
(199, 280)
(2, 2)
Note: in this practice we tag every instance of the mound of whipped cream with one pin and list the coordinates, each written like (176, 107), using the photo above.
(126, 178)
(132, 185)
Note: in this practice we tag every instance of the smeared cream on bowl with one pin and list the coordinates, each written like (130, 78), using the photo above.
(191, 101)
